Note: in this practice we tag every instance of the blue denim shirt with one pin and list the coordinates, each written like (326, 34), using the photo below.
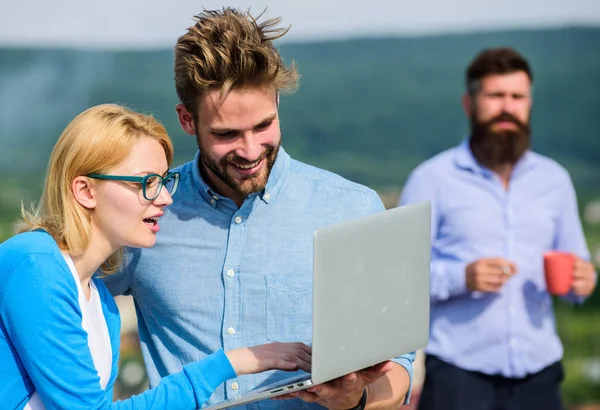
(512, 332)
(225, 277)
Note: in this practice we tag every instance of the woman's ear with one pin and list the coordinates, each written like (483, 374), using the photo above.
(84, 192)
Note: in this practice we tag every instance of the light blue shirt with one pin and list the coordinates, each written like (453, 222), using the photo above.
(511, 333)
(225, 277)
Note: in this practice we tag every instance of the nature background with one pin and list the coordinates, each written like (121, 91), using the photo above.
(380, 92)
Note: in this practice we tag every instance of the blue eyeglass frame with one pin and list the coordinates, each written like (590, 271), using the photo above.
(142, 181)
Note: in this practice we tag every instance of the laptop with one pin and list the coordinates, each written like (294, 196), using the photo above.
(370, 297)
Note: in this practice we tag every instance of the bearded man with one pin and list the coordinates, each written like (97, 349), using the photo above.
(497, 207)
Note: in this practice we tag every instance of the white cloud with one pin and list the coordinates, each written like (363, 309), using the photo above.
(157, 23)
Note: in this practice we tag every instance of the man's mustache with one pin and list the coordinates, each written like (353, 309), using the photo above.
(506, 117)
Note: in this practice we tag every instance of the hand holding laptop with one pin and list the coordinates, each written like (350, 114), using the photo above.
(344, 392)
(269, 356)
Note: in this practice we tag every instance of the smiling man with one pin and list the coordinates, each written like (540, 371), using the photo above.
(239, 138)
(496, 208)
(233, 262)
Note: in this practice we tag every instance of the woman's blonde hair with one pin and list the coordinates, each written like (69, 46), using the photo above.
(95, 141)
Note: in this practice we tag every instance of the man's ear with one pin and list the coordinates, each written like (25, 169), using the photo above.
(185, 119)
(467, 104)
(84, 192)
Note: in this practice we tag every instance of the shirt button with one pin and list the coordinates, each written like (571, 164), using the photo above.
(235, 386)
(231, 330)
(267, 196)
(238, 219)
(230, 272)
(213, 201)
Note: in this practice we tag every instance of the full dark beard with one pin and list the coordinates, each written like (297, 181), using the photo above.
(493, 148)
(250, 185)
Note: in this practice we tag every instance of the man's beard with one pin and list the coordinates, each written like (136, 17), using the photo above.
(249, 185)
(495, 148)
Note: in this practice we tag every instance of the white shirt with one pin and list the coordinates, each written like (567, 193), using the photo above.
(94, 323)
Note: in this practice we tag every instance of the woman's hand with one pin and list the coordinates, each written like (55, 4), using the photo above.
(276, 355)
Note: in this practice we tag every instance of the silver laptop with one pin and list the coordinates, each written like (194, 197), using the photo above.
(370, 296)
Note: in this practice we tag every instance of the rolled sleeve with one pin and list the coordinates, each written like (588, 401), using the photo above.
(406, 361)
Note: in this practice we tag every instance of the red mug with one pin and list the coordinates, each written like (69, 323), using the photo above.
(558, 270)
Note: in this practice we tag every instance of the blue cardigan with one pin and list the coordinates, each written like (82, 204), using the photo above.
(43, 347)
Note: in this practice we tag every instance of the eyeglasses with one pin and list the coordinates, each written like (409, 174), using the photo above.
(151, 183)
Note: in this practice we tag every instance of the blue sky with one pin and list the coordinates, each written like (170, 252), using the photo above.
(157, 23)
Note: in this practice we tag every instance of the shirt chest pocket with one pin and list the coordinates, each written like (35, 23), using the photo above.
(289, 309)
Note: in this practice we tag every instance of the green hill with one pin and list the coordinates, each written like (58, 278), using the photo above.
(370, 109)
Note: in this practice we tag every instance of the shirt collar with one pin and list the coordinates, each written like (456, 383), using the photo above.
(272, 189)
(277, 176)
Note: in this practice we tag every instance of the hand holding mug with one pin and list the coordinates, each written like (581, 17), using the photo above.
(565, 271)
(584, 278)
